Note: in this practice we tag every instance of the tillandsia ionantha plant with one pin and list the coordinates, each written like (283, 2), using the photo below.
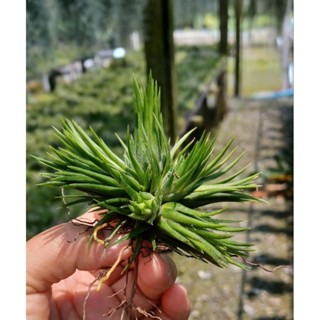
(155, 191)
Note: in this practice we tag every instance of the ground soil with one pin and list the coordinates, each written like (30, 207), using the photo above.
(263, 129)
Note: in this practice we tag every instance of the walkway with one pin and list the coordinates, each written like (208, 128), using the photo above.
(264, 130)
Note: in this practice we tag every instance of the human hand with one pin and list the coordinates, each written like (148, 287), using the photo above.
(61, 279)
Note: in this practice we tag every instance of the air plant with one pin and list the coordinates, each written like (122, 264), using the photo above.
(155, 192)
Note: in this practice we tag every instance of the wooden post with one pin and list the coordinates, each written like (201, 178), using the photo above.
(238, 14)
(223, 17)
(286, 58)
(159, 54)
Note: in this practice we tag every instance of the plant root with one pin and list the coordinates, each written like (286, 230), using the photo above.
(78, 234)
(108, 274)
(88, 294)
(264, 268)
(127, 306)
(95, 233)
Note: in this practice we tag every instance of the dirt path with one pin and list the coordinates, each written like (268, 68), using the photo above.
(264, 130)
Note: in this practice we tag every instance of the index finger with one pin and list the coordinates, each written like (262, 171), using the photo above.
(53, 255)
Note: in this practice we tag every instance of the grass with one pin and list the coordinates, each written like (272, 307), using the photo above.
(261, 71)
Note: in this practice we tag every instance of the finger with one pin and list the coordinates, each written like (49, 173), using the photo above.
(53, 255)
(77, 295)
(156, 273)
(175, 303)
(130, 297)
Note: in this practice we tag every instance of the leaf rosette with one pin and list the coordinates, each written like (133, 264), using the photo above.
(157, 189)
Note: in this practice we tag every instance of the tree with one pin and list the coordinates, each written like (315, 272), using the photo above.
(159, 54)
(223, 14)
(238, 15)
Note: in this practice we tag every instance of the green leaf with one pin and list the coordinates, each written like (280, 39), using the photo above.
(154, 192)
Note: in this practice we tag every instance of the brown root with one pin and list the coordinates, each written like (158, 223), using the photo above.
(127, 306)
(264, 268)
(88, 294)
(78, 234)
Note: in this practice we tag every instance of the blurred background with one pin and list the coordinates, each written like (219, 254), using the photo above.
(222, 65)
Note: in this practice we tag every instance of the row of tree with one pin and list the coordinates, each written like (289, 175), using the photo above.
(91, 25)
(109, 23)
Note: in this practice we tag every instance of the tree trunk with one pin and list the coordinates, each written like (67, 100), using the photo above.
(238, 14)
(223, 15)
(159, 54)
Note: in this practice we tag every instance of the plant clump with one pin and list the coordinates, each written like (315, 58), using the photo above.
(155, 192)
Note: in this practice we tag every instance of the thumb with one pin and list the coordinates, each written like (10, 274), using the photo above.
(57, 253)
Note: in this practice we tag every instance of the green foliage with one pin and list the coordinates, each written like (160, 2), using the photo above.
(192, 71)
(211, 21)
(155, 189)
(71, 27)
(102, 99)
